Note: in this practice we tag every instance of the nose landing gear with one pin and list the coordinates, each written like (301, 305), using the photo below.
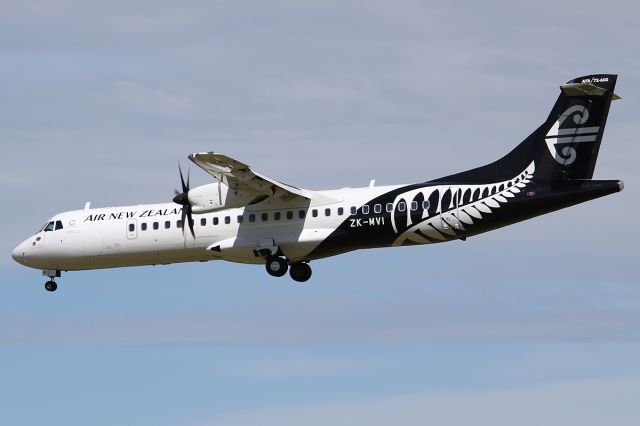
(52, 274)
(51, 285)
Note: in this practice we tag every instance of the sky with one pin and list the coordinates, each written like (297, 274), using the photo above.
(537, 323)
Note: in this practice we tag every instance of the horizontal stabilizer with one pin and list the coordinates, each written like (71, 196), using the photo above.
(585, 89)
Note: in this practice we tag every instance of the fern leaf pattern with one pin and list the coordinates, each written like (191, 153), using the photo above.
(444, 212)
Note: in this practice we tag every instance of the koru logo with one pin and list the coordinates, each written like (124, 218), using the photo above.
(570, 135)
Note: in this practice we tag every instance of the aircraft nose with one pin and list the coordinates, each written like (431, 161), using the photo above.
(19, 252)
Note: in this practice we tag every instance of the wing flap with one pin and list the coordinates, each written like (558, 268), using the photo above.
(239, 176)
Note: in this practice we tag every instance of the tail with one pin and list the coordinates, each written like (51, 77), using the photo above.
(566, 145)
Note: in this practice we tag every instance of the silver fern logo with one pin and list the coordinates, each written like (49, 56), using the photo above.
(442, 212)
(570, 135)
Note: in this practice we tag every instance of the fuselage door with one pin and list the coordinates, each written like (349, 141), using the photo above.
(449, 212)
(132, 229)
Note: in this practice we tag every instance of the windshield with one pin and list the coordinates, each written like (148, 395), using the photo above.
(49, 226)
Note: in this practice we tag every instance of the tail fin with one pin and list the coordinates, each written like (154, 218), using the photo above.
(566, 145)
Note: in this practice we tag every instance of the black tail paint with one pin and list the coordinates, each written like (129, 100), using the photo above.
(550, 170)
(565, 146)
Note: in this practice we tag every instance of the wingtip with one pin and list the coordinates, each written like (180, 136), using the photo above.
(621, 185)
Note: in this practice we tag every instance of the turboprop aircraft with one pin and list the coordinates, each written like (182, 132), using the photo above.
(246, 217)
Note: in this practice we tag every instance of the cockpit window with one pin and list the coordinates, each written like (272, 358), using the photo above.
(49, 227)
(58, 224)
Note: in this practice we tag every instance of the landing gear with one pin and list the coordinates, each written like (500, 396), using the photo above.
(51, 285)
(276, 266)
(52, 274)
(300, 272)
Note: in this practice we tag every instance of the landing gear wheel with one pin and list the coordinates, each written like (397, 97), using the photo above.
(51, 286)
(300, 272)
(276, 266)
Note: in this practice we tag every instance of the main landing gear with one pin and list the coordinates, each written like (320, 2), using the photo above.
(300, 272)
(276, 266)
(52, 274)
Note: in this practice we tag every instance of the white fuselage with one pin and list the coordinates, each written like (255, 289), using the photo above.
(151, 234)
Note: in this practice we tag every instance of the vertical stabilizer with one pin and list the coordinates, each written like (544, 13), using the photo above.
(566, 145)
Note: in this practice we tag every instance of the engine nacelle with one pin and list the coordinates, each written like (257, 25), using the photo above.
(218, 196)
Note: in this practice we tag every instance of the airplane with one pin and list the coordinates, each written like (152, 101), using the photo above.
(246, 217)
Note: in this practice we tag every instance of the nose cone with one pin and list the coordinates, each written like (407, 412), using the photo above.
(19, 253)
(182, 199)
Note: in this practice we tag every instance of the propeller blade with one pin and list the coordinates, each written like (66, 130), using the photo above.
(182, 198)
(185, 187)
(190, 219)
(183, 215)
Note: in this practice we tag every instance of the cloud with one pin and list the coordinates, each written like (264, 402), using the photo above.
(409, 318)
(151, 100)
(585, 403)
(318, 91)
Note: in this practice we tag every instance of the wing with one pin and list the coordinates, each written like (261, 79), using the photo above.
(239, 176)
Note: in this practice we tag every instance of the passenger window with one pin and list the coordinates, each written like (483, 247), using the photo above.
(365, 209)
(425, 204)
(132, 227)
(389, 207)
(289, 215)
(240, 218)
(252, 218)
(327, 212)
(227, 219)
(402, 206)
(49, 227)
(155, 225)
(414, 206)
(203, 221)
(143, 226)
(340, 211)
(58, 224)
(167, 224)
(276, 216)
(314, 213)
(264, 217)
(377, 208)
(301, 214)
(215, 220)
(178, 224)
(354, 210)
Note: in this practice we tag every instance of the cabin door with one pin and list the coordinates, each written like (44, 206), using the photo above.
(449, 213)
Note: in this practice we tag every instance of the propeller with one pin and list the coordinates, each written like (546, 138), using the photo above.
(182, 198)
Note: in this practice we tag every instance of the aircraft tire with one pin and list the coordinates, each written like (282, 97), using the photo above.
(300, 272)
(276, 266)
(51, 286)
